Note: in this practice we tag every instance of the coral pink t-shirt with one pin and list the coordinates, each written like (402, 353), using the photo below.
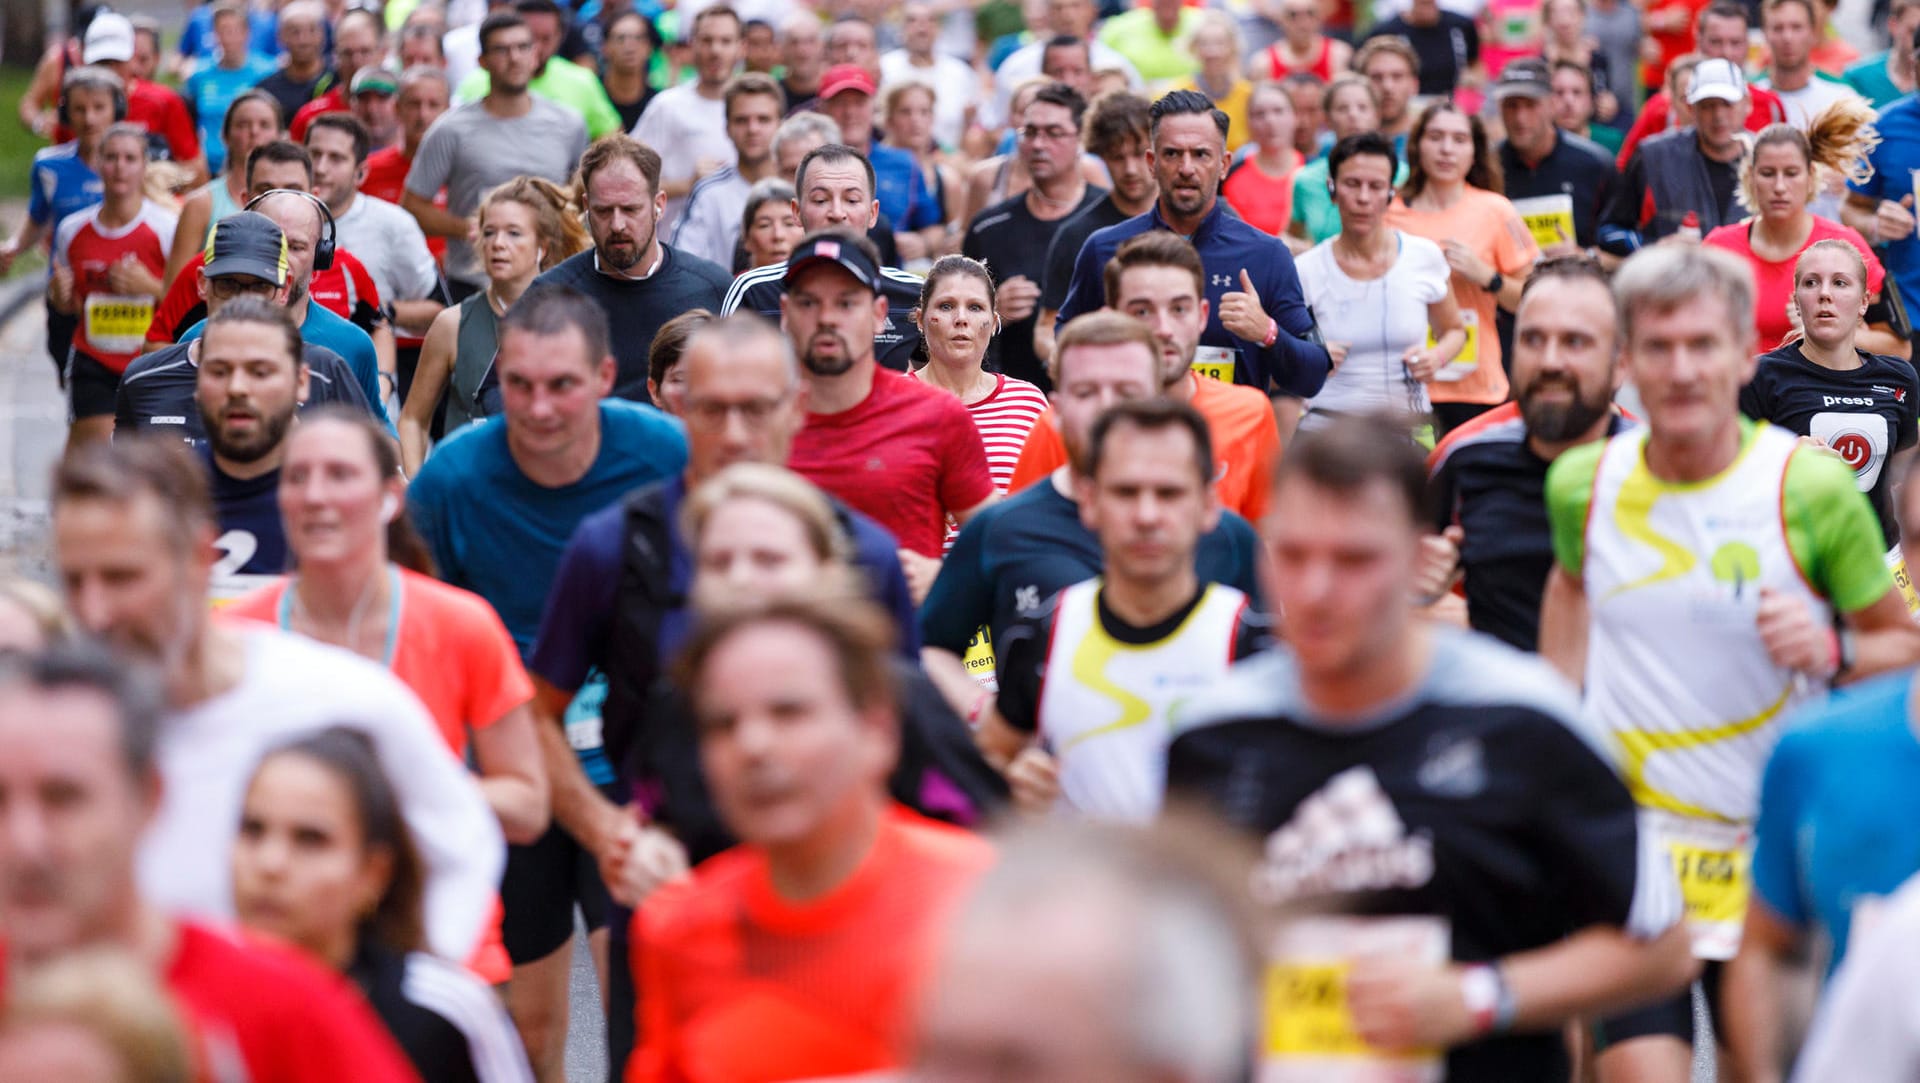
(1773, 282)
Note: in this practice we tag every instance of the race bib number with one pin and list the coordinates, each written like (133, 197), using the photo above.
(979, 659)
(1548, 218)
(1713, 863)
(1216, 362)
(1897, 564)
(1468, 359)
(117, 324)
(1310, 1030)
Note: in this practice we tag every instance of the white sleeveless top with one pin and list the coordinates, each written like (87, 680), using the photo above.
(1107, 708)
(1677, 676)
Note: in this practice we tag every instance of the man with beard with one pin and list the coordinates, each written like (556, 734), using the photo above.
(1259, 330)
(383, 237)
(250, 382)
(833, 189)
(1012, 237)
(476, 146)
(1489, 477)
(639, 281)
(901, 451)
(247, 257)
(555, 78)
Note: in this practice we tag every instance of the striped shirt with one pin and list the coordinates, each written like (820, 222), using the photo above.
(1004, 417)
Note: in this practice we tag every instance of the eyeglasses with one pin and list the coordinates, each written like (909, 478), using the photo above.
(228, 288)
(510, 48)
(1054, 134)
(709, 414)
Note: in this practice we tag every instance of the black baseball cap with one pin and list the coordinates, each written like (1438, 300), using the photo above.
(247, 243)
(835, 248)
(1524, 78)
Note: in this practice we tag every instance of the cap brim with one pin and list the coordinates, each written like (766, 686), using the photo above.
(1529, 90)
(242, 265)
(1719, 93)
(796, 269)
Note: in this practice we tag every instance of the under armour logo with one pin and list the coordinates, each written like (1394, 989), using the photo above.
(1220, 280)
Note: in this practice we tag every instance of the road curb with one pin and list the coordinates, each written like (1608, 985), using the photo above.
(18, 293)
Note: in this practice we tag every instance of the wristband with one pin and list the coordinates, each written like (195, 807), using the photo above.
(1488, 998)
(979, 707)
(1842, 653)
(1273, 333)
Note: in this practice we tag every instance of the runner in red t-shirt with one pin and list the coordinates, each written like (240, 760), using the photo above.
(899, 451)
(107, 266)
(345, 289)
(80, 790)
(422, 96)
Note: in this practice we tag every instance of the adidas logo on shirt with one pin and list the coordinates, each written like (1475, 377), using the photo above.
(1345, 838)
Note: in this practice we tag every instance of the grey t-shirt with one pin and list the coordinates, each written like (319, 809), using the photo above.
(388, 242)
(468, 151)
(1617, 29)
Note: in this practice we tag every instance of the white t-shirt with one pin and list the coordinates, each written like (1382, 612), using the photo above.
(1811, 100)
(1024, 63)
(955, 89)
(684, 128)
(388, 241)
(1868, 1026)
(1378, 320)
(293, 688)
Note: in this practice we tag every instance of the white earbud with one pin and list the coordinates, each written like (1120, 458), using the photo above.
(540, 255)
(389, 508)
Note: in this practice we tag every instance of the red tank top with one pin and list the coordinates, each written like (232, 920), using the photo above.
(1322, 64)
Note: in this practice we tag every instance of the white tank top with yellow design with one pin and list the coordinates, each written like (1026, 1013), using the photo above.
(1107, 708)
(1677, 675)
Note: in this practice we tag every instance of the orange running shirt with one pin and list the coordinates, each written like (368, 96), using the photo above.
(1246, 444)
(738, 985)
(1490, 228)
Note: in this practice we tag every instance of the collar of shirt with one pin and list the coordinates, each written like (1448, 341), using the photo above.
(1206, 221)
(658, 260)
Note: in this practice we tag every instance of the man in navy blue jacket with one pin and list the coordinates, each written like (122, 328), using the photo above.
(1259, 329)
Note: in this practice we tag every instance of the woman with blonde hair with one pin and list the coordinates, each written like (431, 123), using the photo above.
(526, 226)
(31, 616)
(1782, 172)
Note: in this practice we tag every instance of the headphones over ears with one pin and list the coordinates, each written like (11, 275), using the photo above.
(329, 237)
(119, 100)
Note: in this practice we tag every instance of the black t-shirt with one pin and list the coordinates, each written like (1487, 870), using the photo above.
(1576, 167)
(252, 541)
(1020, 655)
(1473, 799)
(637, 308)
(630, 111)
(1011, 241)
(1447, 49)
(294, 93)
(1493, 485)
(1064, 248)
(156, 391)
(419, 1013)
(1865, 414)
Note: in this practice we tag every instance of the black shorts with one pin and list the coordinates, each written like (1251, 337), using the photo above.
(544, 880)
(1672, 1017)
(91, 386)
(60, 329)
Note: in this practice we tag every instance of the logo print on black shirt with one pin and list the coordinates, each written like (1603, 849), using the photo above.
(1347, 837)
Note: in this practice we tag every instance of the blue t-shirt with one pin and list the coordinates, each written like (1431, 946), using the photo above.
(197, 40)
(1893, 162)
(1838, 809)
(63, 183)
(902, 189)
(497, 533)
(210, 90)
(1014, 556)
(324, 328)
(253, 540)
(1296, 363)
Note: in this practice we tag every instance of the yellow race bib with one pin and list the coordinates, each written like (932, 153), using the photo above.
(117, 324)
(1310, 1030)
(1468, 359)
(1897, 564)
(1216, 362)
(979, 659)
(1548, 218)
(1713, 862)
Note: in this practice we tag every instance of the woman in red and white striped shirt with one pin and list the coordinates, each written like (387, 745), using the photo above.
(957, 319)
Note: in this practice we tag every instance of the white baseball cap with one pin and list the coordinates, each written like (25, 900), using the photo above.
(109, 37)
(1717, 78)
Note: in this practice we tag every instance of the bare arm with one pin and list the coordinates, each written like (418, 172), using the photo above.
(429, 379)
(1750, 993)
(1884, 638)
(189, 233)
(1043, 333)
(512, 776)
(26, 240)
(961, 517)
(414, 317)
(595, 822)
(948, 672)
(1563, 625)
(1596, 971)
(36, 105)
(434, 221)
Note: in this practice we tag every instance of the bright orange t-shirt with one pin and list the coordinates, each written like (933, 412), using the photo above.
(1246, 444)
(1490, 228)
(737, 985)
(450, 648)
